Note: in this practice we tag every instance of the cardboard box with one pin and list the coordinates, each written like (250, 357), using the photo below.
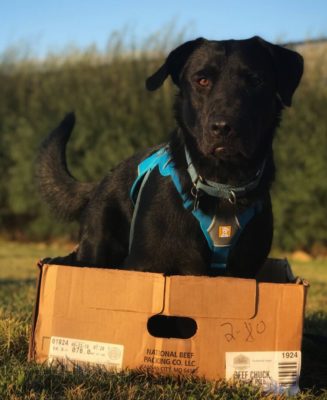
(222, 327)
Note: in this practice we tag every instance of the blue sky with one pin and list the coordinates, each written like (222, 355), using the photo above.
(51, 26)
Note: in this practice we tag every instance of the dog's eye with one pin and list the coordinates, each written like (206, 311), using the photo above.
(254, 80)
(202, 81)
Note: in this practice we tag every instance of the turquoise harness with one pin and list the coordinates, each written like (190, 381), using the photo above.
(221, 234)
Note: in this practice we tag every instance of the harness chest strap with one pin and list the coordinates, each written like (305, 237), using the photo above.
(221, 234)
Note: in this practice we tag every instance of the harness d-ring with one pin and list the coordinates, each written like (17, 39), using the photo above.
(194, 191)
(232, 197)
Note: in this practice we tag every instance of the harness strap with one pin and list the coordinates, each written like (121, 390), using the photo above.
(136, 207)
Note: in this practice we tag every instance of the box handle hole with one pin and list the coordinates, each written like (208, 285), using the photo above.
(171, 327)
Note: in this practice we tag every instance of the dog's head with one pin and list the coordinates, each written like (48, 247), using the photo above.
(231, 93)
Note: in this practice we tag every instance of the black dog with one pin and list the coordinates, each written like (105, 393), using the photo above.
(203, 205)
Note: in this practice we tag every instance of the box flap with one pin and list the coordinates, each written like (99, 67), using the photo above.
(210, 297)
(123, 290)
(276, 271)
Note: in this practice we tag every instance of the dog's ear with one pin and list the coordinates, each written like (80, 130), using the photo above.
(173, 65)
(289, 66)
(289, 69)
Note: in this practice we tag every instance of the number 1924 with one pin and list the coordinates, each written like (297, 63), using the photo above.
(290, 354)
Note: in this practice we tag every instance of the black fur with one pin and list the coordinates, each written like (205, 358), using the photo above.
(231, 94)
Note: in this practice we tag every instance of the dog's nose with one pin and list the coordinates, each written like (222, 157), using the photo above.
(220, 128)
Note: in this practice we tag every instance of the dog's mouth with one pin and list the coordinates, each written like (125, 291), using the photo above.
(220, 150)
(224, 151)
(231, 149)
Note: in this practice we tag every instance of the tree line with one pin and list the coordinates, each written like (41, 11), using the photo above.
(117, 116)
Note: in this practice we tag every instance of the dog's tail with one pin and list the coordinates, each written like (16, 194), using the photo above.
(65, 195)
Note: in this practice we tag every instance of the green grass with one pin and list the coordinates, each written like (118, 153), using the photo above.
(22, 380)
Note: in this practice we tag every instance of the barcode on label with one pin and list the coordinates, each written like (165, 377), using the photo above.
(72, 364)
(287, 373)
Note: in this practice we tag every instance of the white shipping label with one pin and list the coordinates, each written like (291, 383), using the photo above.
(75, 351)
(275, 371)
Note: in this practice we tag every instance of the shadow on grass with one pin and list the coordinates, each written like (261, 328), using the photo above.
(314, 352)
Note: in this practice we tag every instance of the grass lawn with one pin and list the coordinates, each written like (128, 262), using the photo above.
(22, 380)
